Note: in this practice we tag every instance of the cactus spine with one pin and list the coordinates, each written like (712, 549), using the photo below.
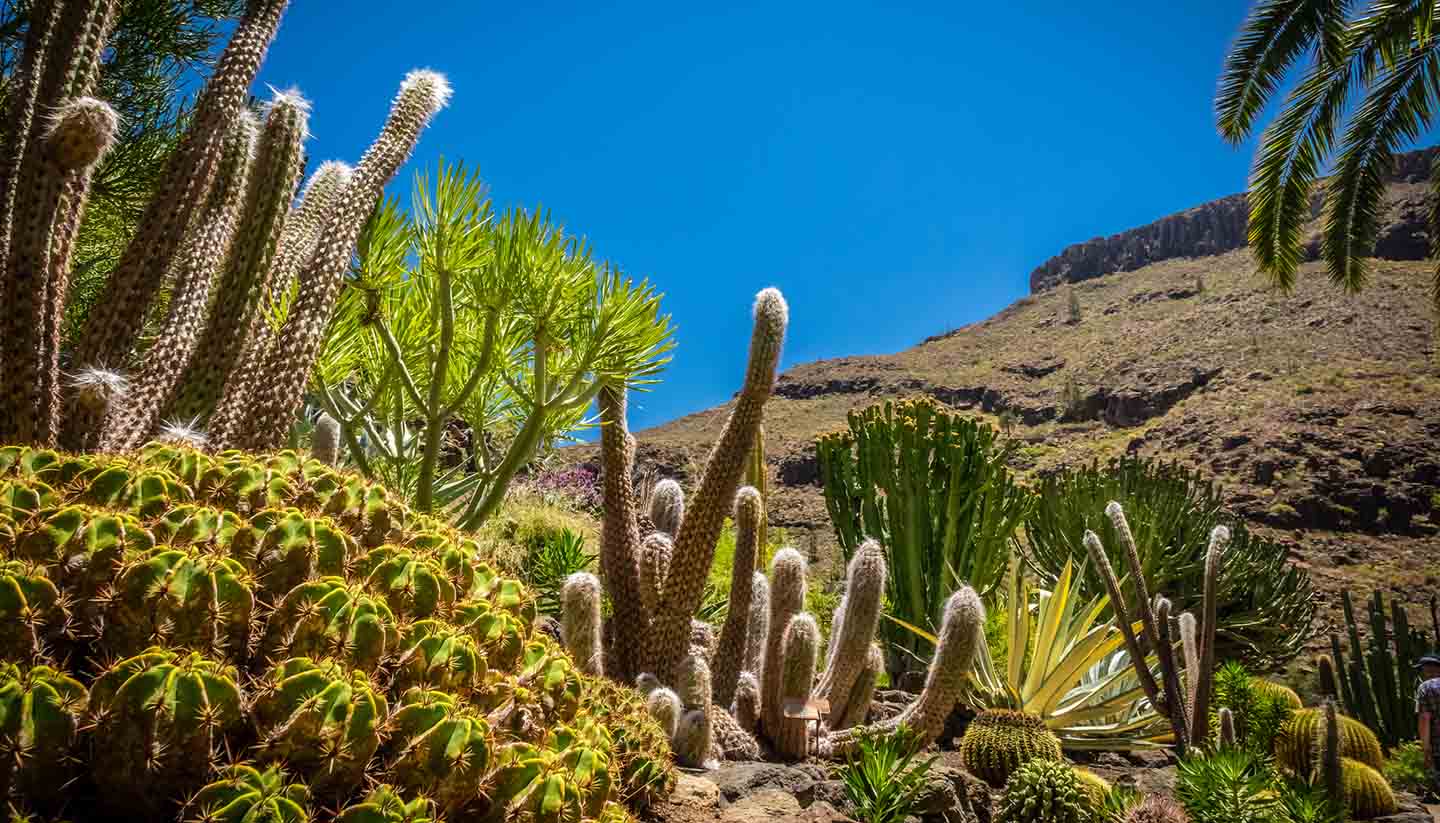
(864, 591)
(1189, 717)
(580, 612)
(787, 598)
(694, 735)
(200, 259)
(41, 711)
(797, 676)
(246, 793)
(289, 362)
(729, 656)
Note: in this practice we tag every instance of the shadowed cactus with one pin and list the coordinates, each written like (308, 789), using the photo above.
(747, 702)
(1298, 746)
(41, 711)
(440, 748)
(244, 793)
(328, 617)
(1157, 808)
(180, 598)
(1366, 792)
(159, 719)
(385, 805)
(33, 613)
(325, 440)
(758, 633)
(730, 653)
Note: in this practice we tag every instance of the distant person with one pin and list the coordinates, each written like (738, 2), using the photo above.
(1427, 705)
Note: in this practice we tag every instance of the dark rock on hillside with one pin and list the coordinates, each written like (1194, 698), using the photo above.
(1220, 226)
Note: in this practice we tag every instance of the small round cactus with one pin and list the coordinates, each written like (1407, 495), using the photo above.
(667, 507)
(1044, 791)
(1367, 794)
(245, 793)
(664, 705)
(1000, 741)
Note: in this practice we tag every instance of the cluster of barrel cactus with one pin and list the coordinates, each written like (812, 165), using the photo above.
(999, 741)
(1045, 791)
(211, 636)
(220, 236)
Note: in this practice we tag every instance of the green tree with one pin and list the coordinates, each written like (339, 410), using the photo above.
(500, 327)
(159, 52)
(1365, 84)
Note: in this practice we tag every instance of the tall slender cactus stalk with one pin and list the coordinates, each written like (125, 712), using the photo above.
(288, 364)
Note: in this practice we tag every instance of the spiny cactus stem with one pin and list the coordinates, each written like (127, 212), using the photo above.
(620, 533)
(729, 657)
(1205, 677)
(864, 593)
(1123, 621)
(1174, 705)
(1331, 772)
(787, 598)
(705, 514)
(1116, 513)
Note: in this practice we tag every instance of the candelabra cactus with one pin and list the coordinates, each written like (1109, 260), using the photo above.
(656, 640)
(580, 612)
(1188, 711)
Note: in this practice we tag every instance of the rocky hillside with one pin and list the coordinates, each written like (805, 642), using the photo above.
(1318, 412)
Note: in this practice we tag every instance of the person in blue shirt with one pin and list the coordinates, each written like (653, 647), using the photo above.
(1427, 706)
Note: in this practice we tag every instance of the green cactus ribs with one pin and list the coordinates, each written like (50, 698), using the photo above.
(197, 636)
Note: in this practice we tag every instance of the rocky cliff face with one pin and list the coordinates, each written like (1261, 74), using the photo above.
(1220, 226)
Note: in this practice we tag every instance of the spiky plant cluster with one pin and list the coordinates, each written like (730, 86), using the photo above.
(1045, 791)
(999, 741)
(216, 637)
(1183, 694)
(219, 237)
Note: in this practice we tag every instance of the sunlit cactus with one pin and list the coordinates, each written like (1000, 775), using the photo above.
(199, 262)
(664, 705)
(667, 507)
(730, 653)
(855, 630)
(758, 633)
(656, 551)
(580, 617)
(787, 599)
(288, 363)
(798, 652)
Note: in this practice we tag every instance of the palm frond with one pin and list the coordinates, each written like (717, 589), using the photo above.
(1273, 38)
(1399, 107)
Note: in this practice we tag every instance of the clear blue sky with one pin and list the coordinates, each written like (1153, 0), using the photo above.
(896, 173)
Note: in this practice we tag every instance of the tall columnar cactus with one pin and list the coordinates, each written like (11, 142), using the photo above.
(297, 246)
(1184, 701)
(1329, 683)
(1228, 737)
(857, 702)
(289, 362)
(854, 631)
(1377, 686)
(1328, 771)
(730, 655)
(112, 327)
(797, 677)
(203, 346)
(41, 711)
(787, 599)
(959, 632)
(657, 643)
(580, 613)
(667, 507)
(44, 184)
(159, 720)
(758, 632)
(199, 260)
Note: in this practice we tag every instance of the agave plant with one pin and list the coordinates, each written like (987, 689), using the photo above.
(1068, 666)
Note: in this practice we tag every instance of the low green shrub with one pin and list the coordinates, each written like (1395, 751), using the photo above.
(883, 780)
(1226, 786)
(1405, 768)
